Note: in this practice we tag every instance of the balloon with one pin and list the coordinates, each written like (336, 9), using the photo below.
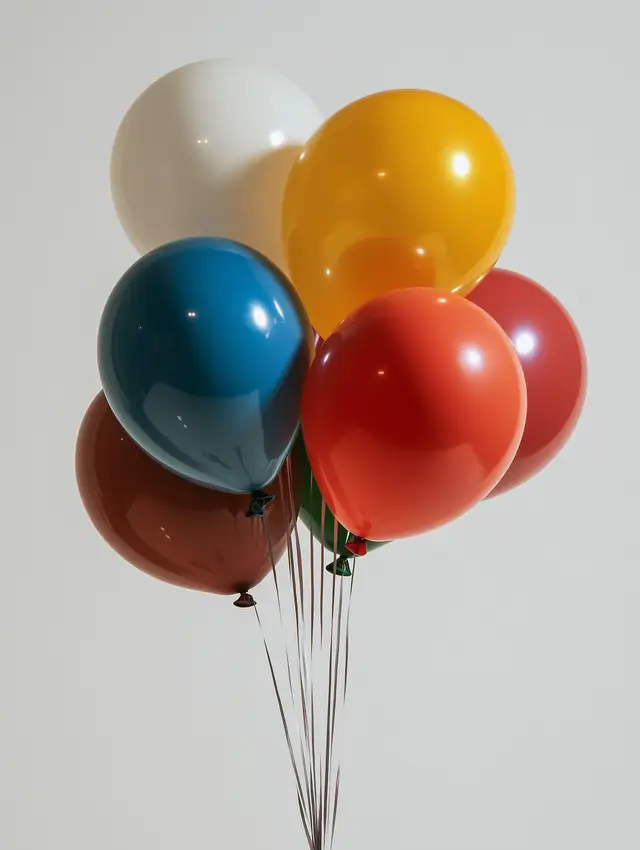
(553, 361)
(203, 349)
(323, 528)
(206, 151)
(399, 189)
(171, 529)
(412, 412)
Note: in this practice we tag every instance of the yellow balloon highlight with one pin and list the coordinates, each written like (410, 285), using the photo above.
(401, 188)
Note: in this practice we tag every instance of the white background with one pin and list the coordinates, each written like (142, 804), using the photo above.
(495, 687)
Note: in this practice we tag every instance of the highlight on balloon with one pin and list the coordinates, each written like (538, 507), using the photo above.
(316, 354)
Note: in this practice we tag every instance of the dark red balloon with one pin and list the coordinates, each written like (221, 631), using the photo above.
(177, 531)
(553, 361)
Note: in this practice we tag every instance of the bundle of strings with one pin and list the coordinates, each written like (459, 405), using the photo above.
(310, 682)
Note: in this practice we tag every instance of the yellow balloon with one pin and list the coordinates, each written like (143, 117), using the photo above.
(401, 188)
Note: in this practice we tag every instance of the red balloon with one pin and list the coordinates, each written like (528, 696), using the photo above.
(177, 531)
(553, 361)
(412, 412)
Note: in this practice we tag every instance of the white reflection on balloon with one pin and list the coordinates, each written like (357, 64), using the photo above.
(259, 316)
(472, 357)
(525, 342)
(278, 309)
(276, 138)
(460, 164)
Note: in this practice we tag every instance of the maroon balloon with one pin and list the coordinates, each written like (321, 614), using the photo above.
(554, 364)
(168, 527)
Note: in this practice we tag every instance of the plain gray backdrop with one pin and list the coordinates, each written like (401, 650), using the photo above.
(494, 686)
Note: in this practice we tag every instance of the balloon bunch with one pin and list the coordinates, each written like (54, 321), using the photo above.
(336, 274)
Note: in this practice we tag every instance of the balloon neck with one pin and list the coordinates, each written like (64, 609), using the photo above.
(245, 600)
(357, 546)
(340, 567)
(258, 503)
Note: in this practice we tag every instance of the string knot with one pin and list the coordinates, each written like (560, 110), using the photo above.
(340, 567)
(245, 600)
(258, 503)
(357, 546)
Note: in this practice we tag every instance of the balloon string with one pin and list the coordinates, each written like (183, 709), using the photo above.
(303, 674)
(313, 577)
(312, 698)
(346, 659)
(344, 694)
(285, 726)
(335, 807)
(267, 532)
(306, 677)
(297, 588)
(335, 686)
(323, 513)
(306, 652)
(320, 765)
(317, 769)
(327, 757)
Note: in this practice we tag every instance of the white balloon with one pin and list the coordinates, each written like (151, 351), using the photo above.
(206, 151)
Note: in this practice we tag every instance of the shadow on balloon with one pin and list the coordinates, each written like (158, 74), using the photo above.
(284, 405)
(251, 195)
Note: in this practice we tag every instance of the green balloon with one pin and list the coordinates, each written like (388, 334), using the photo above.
(311, 515)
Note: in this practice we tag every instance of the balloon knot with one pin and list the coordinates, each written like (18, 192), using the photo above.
(245, 600)
(340, 567)
(358, 546)
(259, 501)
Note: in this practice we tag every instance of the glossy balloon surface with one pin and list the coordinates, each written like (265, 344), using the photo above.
(186, 535)
(553, 360)
(317, 516)
(412, 412)
(206, 151)
(399, 189)
(203, 350)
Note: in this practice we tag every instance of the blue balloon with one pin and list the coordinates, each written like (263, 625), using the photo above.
(203, 350)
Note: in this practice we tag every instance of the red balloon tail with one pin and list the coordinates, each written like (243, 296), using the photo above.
(259, 501)
(358, 546)
(245, 600)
